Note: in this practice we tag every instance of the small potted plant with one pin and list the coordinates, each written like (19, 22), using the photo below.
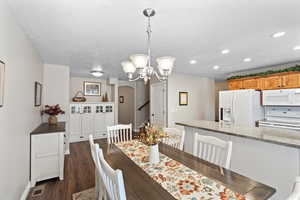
(52, 111)
(152, 137)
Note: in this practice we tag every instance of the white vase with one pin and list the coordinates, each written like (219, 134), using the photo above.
(154, 154)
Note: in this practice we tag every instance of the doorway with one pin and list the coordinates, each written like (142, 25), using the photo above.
(158, 104)
(126, 105)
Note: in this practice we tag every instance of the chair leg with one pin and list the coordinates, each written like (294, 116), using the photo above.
(102, 193)
(97, 186)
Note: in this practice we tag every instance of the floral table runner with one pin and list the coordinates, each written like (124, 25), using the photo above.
(180, 181)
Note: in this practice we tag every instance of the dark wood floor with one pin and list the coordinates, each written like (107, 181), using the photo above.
(78, 175)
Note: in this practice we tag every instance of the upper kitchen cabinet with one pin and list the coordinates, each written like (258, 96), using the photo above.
(271, 83)
(291, 80)
(254, 83)
(235, 84)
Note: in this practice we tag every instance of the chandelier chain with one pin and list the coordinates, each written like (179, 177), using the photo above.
(149, 32)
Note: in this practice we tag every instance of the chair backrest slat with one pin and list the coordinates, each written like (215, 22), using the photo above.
(112, 179)
(213, 150)
(119, 133)
(175, 137)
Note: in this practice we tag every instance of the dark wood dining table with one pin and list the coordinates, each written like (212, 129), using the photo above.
(140, 186)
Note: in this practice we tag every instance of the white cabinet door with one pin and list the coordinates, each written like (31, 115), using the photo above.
(109, 119)
(75, 121)
(277, 98)
(47, 156)
(296, 97)
(109, 115)
(99, 121)
(87, 121)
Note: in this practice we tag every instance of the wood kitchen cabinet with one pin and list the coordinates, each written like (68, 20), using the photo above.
(254, 83)
(283, 80)
(290, 81)
(235, 84)
(271, 83)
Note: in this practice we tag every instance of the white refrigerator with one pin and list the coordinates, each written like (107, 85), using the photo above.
(240, 107)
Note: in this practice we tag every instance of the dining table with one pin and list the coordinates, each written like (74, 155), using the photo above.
(140, 185)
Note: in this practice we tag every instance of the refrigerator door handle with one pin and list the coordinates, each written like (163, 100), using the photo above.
(221, 114)
(232, 109)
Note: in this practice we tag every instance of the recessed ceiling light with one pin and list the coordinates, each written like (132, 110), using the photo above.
(296, 48)
(247, 59)
(225, 51)
(193, 62)
(216, 67)
(278, 34)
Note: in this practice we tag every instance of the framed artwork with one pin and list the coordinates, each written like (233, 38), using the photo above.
(92, 88)
(121, 99)
(37, 94)
(183, 98)
(2, 76)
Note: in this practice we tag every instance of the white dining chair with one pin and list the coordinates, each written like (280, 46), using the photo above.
(213, 150)
(175, 137)
(112, 179)
(119, 133)
(99, 187)
(295, 195)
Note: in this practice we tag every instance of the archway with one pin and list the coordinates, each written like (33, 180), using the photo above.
(126, 105)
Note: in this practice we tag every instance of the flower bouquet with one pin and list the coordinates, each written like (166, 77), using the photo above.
(52, 111)
(151, 137)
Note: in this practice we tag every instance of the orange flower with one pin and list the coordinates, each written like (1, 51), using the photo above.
(187, 187)
(172, 163)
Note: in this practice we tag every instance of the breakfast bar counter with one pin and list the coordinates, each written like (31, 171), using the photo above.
(268, 155)
(273, 135)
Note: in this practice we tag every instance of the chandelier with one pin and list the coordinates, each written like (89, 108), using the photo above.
(139, 66)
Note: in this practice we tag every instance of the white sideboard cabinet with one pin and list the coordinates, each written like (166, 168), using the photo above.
(47, 152)
(90, 118)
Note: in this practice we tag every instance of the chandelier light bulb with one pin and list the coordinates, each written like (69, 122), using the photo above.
(128, 67)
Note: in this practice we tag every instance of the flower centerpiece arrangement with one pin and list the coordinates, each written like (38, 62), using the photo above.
(152, 136)
(52, 111)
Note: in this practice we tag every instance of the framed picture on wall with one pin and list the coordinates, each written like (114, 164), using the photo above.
(37, 94)
(92, 88)
(2, 76)
(183, 98)
(121, 99)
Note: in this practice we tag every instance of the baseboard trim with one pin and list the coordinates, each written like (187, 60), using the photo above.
(26, 192)
(67, 152)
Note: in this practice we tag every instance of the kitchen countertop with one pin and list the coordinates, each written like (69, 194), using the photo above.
(279, 136)
(46, 128)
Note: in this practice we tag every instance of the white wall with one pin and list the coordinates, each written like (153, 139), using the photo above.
(201, 98)
(56, 87)
(18, 117)
(76, 84)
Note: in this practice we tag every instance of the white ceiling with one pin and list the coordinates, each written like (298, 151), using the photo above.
(85, 33)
